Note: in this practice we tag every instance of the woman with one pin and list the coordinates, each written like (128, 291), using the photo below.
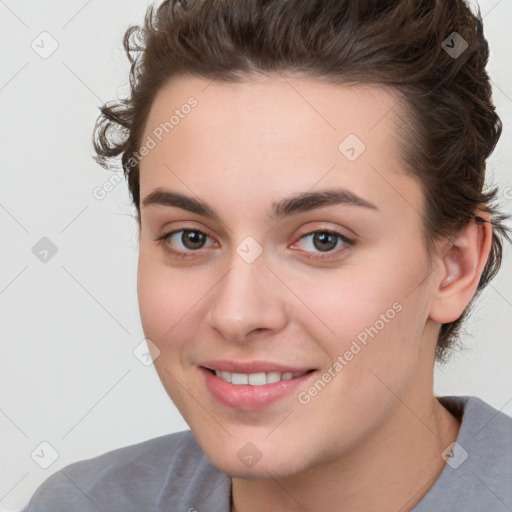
(314, 227)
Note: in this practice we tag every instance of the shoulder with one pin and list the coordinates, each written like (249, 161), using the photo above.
(478, 473)
(151, 475)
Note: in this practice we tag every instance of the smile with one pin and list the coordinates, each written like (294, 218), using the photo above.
(252, 390)
(256, 379)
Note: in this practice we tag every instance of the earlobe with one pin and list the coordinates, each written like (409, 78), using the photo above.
(460, 266)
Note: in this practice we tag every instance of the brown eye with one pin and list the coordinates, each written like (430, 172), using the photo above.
(184, 242)
(193, 239)
(324, 241)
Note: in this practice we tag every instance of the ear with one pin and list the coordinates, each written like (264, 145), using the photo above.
(459, 266)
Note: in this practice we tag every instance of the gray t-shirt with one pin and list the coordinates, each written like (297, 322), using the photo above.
(171, 473)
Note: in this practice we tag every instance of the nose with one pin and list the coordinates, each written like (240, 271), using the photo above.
(249, 299)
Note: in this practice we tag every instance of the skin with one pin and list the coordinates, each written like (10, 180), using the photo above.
(377, 425)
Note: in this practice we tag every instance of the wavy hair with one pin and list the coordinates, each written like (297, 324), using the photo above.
(407, 45)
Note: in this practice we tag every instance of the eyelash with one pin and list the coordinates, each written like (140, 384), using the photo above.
(347, 242)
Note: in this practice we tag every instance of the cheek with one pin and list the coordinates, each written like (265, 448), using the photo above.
(166, 304)
(164, 297)
(173, 302)
(341, 305)
(373, 314)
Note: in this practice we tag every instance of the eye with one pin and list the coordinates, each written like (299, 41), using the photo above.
(185, 240)
(325, 241)
(183, 243)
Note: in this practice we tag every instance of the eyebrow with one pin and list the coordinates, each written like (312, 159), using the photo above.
(301, 202)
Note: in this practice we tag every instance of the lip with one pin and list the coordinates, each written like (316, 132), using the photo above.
(252, 366)
(246, 397)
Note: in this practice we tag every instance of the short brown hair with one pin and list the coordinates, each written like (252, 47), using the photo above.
(393, 43)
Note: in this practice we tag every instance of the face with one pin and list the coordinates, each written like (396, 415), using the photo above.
(244, 282)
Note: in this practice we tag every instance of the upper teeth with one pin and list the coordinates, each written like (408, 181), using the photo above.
(256, 379)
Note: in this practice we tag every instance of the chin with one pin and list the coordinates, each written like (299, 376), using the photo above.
(244, 463)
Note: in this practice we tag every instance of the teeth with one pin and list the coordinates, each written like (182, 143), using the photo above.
(256, 379)
(239, 378)
(225, 376)
(273, 377)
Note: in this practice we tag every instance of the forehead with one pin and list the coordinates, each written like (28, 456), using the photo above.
(290, 106)
(263, 134)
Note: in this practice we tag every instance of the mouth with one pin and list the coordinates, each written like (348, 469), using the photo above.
(256, 379)
(259, 386)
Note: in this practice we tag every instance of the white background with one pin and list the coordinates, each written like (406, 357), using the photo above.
(69, 326)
